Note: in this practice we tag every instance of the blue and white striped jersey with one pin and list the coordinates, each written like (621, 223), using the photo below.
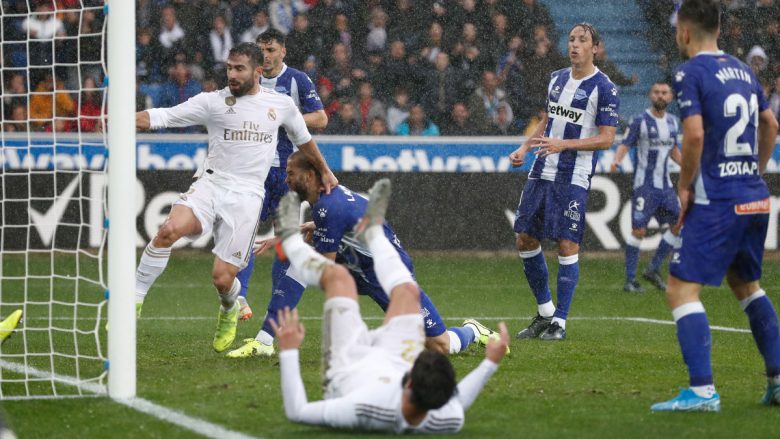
(654, 139)
(301, 89)
(575, 110)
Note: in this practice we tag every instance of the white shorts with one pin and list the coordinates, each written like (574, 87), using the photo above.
(352, 354)
(232, 216)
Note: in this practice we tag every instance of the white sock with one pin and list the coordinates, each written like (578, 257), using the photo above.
(388, 266)
(546, 309)
(455, 346)
(775, 380)
(704, 391)
(229, 299)
(560, 322)
(308, 264)
(152, 264)
(264, 338)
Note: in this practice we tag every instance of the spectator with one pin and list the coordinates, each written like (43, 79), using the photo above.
(417, 124)
(90, 106)
(510, 70)
(17, 122)
(368, 107)
(459, 123)
(282, 13)
(208, 85)
(505, 124)
(406, 23)
(329, 103)
(147, 57)
(220, 43)
(259, 25)
(340, 33)
(538, 78)
(15, 92)
(499, 38)
(397, 71)
(442, 89)
(378, 127)
(345, 122)
(177, 90)
(483, 103)
(399, 109)
(467, 58)
(774, 99)
(534, 121)
(758, 62)
(300, 43)
(529, 14)
(172, 36)
(341, 72)
(376, 39)
(42, 27)
(435, 44)
(601, 60)
(46, 104)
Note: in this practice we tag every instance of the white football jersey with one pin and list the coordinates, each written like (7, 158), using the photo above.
(243, 133)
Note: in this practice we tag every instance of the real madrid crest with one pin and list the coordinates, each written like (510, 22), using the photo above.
(271, 114)
(230, 100)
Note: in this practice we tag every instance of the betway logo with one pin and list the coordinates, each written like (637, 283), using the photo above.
(419, 160)
(564, 112)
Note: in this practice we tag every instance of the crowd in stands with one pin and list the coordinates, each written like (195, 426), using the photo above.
(381, 67)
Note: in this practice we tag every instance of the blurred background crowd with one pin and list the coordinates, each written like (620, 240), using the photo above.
(381, 67)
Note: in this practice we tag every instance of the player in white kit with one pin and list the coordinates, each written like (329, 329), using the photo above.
(379, 380)
(243, 122)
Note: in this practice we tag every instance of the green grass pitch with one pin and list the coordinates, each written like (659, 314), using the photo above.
(599, 383)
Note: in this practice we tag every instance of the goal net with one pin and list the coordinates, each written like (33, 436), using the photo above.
(53, 181)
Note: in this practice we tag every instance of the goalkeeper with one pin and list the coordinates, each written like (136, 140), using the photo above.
(379, 380)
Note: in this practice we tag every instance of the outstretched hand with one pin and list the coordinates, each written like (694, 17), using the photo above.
(496, 349)
(288, 329)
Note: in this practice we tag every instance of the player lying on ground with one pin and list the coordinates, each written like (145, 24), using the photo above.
(654, 134)
(243, 122)
(378, 380)
(724, 211)
(335, 216)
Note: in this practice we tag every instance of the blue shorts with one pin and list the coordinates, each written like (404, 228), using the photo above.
(275, 188)
(552, 210)
(716, 239)
(368, 285)
(647, 203)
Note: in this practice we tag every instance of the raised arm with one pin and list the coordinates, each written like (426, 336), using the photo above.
(470, 386)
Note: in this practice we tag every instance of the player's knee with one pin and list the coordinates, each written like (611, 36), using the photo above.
(167, 235)
(222, 281)
(568, 248)
(526, 242)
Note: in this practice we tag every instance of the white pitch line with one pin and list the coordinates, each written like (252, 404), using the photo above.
(196, 425)
(488, 318)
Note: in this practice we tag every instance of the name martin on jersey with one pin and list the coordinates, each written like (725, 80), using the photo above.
(727, 73)
(250, 132)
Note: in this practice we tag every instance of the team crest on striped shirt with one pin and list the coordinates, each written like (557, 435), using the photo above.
(580, 94)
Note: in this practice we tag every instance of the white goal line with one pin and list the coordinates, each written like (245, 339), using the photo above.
(196, 425)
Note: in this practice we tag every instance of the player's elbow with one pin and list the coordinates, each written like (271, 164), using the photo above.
(768, 122)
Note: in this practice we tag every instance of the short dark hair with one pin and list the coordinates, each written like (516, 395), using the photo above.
(660, 82)
(594, 34)
(301, 161)
(704, 14)
(433, 380)
(251, 51)
(271, 35)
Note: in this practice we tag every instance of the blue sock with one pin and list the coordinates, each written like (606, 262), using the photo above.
(244, 275)
(693, 333)
(535, 269)
(287, 293)
(763, 324)
(465, 335)
(568, 276)
(278, 270)
(664, 248)
(632, 260)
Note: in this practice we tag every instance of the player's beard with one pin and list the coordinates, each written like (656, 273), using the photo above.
(660, 105)
(242, 89)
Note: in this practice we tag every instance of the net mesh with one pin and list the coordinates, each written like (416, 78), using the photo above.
(52, 181)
